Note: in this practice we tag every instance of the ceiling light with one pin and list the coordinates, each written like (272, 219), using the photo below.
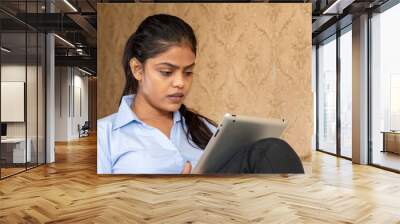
(65, 41)
(337, 7)
(5, 50)
(70, 5)
(84, 71)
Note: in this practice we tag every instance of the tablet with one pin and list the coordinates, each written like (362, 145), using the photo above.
(234, 133)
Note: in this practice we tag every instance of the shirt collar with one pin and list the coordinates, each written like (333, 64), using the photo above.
(125, 114)
(177, 116)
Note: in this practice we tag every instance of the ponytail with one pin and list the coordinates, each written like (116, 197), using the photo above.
(131, 83)
(197, 131)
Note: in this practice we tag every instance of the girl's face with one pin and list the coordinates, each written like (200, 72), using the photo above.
(166, 78)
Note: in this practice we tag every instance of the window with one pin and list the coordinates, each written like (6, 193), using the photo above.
(346, 93)
(327, 96)
(385, 88)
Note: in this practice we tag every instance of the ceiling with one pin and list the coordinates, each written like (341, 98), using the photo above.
(76, 22)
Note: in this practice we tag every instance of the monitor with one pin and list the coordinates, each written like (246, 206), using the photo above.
(3, 129)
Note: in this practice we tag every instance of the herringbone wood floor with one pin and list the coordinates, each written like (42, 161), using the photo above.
(70, 191)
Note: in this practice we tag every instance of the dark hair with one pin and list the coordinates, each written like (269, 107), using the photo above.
(155, 35)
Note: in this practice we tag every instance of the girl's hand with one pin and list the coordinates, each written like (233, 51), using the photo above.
(187, 168)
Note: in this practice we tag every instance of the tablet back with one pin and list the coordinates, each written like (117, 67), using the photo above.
(234, 133)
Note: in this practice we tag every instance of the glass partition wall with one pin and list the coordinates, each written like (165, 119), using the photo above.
(22, 79)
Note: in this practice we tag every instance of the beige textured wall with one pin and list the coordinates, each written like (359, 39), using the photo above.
(253, 59)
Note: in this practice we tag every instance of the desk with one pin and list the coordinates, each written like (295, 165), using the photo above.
(16, 147)
(391, 141)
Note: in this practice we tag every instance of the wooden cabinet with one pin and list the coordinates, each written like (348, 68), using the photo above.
(391, 142)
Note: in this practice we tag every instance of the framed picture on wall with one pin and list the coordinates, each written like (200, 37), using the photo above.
(12, 101)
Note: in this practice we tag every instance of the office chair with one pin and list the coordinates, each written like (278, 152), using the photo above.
(84, 130)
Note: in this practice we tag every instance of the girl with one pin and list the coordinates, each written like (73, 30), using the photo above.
(153, 132)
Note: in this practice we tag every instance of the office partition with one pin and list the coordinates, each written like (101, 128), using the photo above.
(22, 77)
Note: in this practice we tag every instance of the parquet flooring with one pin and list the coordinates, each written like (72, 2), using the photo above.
(70, 191)
(387, 159)
(9, 171)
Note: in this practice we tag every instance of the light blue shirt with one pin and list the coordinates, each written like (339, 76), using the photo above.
(127, 145)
